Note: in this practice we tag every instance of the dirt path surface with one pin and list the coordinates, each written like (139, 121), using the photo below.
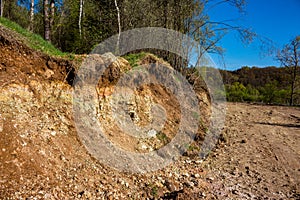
(258, 158)
(261, 157)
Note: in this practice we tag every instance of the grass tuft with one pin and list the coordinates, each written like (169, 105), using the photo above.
(34, 41)
(133, 59)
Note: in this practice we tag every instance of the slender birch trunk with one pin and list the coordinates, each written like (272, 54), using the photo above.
(1, 8)
(46, 21)
(119, 26)
(80, 17)
(52, 16)
(31, 15)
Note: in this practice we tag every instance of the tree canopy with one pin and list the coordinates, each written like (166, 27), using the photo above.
(78, 25)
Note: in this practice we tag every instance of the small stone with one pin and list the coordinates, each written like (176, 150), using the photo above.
(161, 179)
(199, 161)
(62, 158)
(110, 197)
(170, 186)
(188, 161)
(47, 196)
(152, 133)
(210, 179)
(196, 175)
(189, 184)
(53, 133)
(235, 192)
(88, 195)
(186, 174)
(81, 193)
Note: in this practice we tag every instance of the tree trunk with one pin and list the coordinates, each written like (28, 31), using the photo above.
(292, 89)
(295, 69)
(80, 17)
(1, 8)
(60, 28)
(165, 14)
(31, 15)
(119, 26)
(52, 15)
(46, 21)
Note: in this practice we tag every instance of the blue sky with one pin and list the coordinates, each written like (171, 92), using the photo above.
(278, 20)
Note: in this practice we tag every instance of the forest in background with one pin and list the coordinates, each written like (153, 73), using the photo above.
(77, 26)
(270, 85)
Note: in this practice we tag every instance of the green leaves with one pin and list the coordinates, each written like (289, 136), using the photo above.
(269, 93)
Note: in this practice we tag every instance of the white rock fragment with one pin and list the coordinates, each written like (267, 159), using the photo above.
(199, 161)
(152, 133)
(53, 133)
(186, 174)
(143, 146)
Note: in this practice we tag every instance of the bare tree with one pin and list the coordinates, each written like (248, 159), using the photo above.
(31, 15)
(47, 29)
(80, 17)
(52, 16)
(289, 57)
(119, 26)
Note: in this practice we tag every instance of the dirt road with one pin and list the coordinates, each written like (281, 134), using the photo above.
(261, 157)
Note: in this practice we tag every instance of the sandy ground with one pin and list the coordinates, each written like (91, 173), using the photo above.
(261, 157)
(258, 159)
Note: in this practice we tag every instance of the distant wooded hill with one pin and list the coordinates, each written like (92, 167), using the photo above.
(267, 85)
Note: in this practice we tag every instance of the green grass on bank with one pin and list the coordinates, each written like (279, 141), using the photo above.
(34, 41)
(133, 59)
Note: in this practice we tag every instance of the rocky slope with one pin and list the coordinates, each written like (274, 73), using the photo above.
(41, 154)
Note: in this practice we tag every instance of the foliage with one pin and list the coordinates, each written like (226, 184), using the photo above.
(99, 21)
(133, 59)
(289, 57)
(266, 85)
(271, 93)
(163, 137)
(235, 92)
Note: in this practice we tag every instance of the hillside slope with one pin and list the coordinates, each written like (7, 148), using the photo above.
(257, 77)
(19, 63)
(42, 156)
